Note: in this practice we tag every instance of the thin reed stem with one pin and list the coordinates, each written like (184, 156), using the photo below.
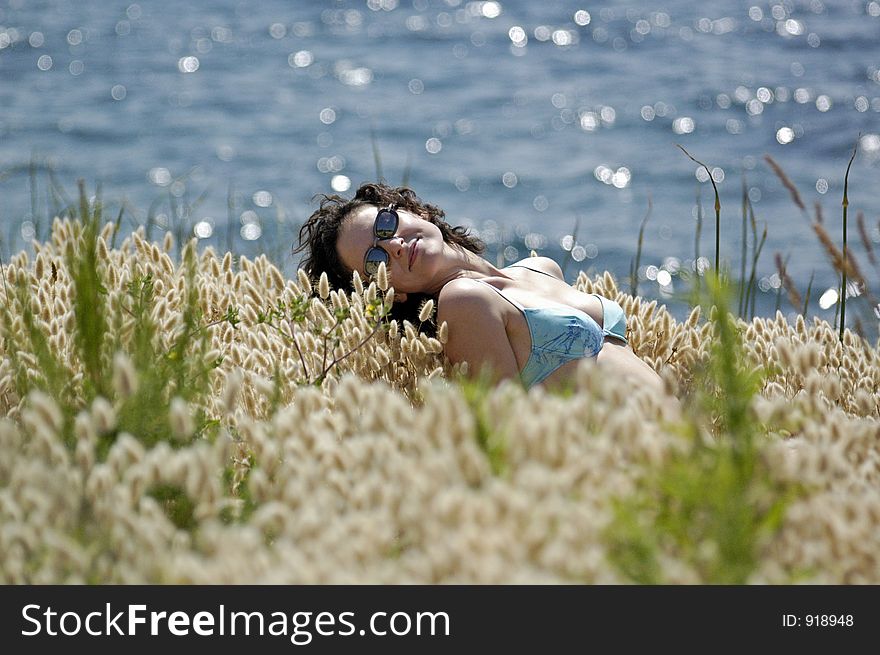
(32, 177)
(117, 224)
(177, 220)
(230, 214)
(836, 315)
(185, 335)
(337, 360)
(280, 216)
(788, 184)
(807, 296)
(843, 273)
(634, 278)
(840, 265)
(53, 205)
(98, 209)
(742, 269)
(757, 254)
(698, 234)
(151, 217)
(407, 170)
(3, 275)
(377, 157)
(299, 352)
(717, 210)
(866, 241)
(58, 190)
(794, 296)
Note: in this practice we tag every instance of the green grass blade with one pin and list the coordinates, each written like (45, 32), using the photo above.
(634, 278)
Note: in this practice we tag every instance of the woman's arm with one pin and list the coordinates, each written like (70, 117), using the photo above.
(477, 334)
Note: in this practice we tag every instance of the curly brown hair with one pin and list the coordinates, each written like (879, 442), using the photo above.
(318, 235)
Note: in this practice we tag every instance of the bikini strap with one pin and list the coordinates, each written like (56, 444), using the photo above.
(500, 293)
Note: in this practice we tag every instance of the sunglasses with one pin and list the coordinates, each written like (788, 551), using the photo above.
(384, 228)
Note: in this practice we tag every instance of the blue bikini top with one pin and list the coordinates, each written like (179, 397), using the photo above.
(560, 334)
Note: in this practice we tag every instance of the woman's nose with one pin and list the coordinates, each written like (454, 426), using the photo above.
(393, 246)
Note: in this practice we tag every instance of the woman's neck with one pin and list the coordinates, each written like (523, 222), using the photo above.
(464, 263)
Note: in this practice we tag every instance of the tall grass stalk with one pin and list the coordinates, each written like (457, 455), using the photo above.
(91, 322)
(794, 296)
(278, 245)
(54, 206)
(757, 246)
(55, 379)
(491, 438)
(634, 272)
(32, 179)
(3, 273)
(788, 184)
(117, 225)
(176, 218)
(377, 157)
(712, 504)
(151, 218)
(407, 170)
(164, 371)
(866, 240)
(698, 234)
(293, 316)
(230, 214)
(807, 295)
(743, 255)
(58, 191)
(717, 210)
(845, 204)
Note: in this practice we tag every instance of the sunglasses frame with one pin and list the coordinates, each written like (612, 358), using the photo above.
(380, 252)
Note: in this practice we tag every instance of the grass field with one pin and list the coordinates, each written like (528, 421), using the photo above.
(198, 418)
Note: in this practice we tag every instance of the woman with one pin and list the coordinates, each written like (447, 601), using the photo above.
(522, 321)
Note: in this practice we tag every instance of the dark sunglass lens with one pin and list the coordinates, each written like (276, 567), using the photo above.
(375, 256)
(386, 224)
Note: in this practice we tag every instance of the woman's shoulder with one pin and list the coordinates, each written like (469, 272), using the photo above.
(477, 316)
(464, 295)
(544, 265)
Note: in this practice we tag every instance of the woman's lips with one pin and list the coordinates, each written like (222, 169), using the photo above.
(412, 253)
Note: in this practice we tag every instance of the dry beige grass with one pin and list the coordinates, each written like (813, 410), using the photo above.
(378, 475)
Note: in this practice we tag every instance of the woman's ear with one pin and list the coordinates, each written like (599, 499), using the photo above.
(399, 297)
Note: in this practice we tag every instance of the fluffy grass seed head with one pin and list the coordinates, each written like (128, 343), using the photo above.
(304, 281)
(357, 283)
(382, 277)
(234, 380)
(324, 286)
(103, 415)
(179, 419)
(125, 380)
(427, 310)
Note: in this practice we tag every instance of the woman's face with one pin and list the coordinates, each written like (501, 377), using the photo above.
(414, 252)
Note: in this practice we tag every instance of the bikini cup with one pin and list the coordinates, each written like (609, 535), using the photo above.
(558, 334)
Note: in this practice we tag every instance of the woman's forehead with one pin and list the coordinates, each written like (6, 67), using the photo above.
(362, 214)
(358, 224)
(356, 235)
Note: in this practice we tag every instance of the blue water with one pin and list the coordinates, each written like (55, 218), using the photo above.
(520, 118)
